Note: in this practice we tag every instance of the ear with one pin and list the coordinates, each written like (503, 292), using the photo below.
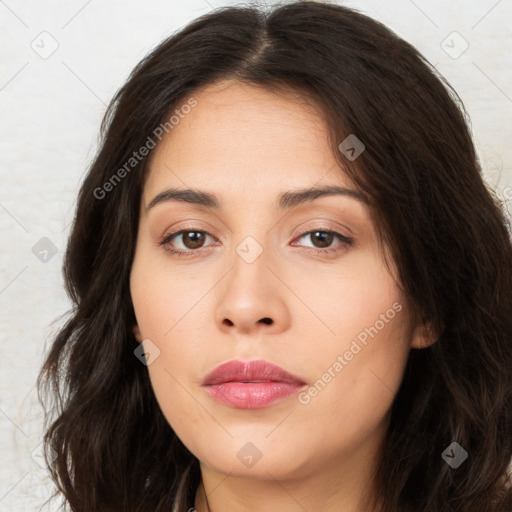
(136, 332)
(423, 336)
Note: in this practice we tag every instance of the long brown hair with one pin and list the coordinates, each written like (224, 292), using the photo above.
(114, 450)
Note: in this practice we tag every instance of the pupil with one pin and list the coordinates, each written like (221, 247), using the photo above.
(326, 238)
(195, 243)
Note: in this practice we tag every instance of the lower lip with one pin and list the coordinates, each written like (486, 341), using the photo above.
(252, 395)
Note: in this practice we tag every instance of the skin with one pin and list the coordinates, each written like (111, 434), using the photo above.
(247, 145)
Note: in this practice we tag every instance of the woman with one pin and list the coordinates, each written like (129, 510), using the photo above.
(292, 287)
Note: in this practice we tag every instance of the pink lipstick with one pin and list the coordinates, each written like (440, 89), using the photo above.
(250, 384)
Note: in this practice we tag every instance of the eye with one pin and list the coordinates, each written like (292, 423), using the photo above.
(322, 240)
(194, 239)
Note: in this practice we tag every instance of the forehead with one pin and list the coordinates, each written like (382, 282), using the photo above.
(245, 138)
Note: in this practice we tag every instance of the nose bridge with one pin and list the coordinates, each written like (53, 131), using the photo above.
(251, 230)
(252, 234)
(250, 296)
(250, 261)
(251, 248)
(253, 237)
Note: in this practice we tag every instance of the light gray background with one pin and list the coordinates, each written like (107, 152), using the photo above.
(51, 108)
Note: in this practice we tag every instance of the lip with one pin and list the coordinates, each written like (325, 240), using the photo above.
(250, 384)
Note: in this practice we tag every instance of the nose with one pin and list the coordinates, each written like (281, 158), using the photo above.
(266, 320)
(252, 299)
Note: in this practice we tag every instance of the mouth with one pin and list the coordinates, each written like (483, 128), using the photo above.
(251, 384)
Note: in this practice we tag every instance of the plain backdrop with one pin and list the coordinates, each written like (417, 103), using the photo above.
(61, 64)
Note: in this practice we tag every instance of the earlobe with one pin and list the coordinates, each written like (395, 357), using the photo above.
(136, 332)
(423, 336)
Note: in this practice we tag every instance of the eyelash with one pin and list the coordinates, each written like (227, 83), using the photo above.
(165, 241)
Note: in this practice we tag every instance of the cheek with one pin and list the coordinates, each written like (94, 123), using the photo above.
(163, 298)
(355, 299)
(353, 388)
(357, 365)
(167, 305)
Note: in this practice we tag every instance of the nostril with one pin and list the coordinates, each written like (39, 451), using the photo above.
(266, 320)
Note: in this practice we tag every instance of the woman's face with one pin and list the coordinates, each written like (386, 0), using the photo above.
(261, 278)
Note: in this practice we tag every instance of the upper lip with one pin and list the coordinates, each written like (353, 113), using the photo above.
(250, 371)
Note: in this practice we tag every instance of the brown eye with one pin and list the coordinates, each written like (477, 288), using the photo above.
(193, 239)
(324, 238)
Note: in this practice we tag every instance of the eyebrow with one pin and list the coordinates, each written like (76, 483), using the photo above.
(285, 201)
